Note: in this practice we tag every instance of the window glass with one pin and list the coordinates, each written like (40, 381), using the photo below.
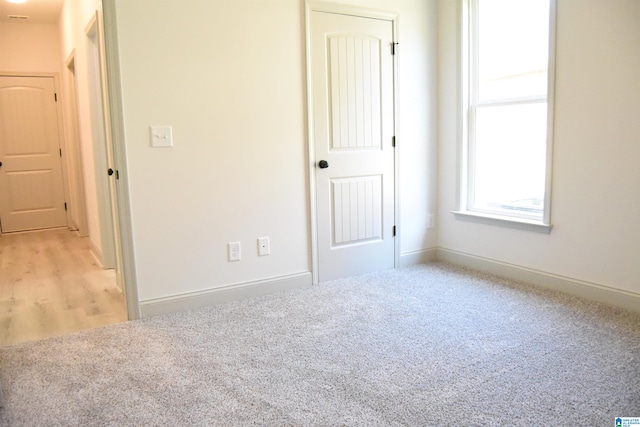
(509, 159)
(512, 40)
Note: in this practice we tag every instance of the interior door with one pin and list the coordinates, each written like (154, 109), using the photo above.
(353, 127)
(31, 186)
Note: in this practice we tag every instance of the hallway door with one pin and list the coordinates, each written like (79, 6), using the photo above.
(31, 185)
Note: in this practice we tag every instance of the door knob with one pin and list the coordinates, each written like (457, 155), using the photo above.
(109, 171)
(323, 164)
(0, 164)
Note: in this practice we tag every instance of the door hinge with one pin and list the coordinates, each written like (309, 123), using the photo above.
(394, 231)
(60, 149)
(55, 97)
(393, 141)
(65, 206)
(117, 174)
(393, 48)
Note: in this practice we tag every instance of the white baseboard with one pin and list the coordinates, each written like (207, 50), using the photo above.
(193, 300)
(591, 291)
(418, 257)
(96, 252)
(580, 288)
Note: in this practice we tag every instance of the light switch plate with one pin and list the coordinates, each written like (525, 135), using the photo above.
(161, 136)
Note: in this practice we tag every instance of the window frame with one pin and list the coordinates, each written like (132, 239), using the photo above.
(468, 106)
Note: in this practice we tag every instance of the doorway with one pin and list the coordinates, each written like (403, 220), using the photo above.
(75, 170)
(101, 145)
(352, 142)
(100, 126)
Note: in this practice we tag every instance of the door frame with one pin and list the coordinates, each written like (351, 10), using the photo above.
(345, 9)
(107, 16)
(61, 134)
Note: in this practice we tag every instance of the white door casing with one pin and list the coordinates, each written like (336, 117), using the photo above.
(74, 153)
(31, 181)
(352, 117)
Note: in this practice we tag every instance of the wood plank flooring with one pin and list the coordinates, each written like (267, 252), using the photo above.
(50, 284)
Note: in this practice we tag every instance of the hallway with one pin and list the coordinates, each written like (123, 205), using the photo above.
(50, 284)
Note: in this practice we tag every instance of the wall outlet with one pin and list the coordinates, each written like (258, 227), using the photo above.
(234, 251)
(263, 246)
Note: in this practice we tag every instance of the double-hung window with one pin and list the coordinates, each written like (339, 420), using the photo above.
(507, 110)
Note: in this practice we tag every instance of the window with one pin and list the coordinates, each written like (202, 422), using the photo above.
(507, 105)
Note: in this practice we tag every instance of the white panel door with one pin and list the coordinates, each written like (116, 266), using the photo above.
(352, 83)
(31, 187)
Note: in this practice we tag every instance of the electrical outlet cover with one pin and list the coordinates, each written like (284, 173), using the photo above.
(234, 251)
(263, 246)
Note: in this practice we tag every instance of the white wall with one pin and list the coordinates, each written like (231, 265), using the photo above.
(596, 178)
(75, 16)
(230, 77)
(33, 48)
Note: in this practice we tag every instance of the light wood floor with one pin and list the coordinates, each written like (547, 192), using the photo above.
(50, 284)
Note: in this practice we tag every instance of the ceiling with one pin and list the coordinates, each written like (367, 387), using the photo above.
(38, 11)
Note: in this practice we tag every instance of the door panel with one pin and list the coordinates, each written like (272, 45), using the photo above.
(354, 91)
(31, 186)
(357, 209)
(352, 110)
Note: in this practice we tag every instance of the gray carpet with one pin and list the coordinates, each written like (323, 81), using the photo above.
(430, 345)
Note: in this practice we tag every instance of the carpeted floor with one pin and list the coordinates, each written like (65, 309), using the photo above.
(430, 345)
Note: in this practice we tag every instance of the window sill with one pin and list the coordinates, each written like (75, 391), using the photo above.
(509, 222)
